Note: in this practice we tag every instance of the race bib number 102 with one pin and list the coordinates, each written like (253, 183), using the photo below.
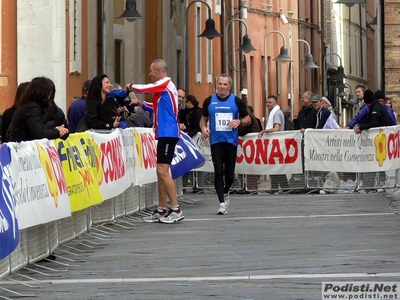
(222, 121)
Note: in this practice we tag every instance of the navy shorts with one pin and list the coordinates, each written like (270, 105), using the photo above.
(166, 149)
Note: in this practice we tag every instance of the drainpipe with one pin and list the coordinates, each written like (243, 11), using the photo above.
(380, 58)
(233, 50)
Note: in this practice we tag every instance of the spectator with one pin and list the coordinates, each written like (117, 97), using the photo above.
(325, 119)
(193, 117)
(182, 109)
(389, 102)
(54, 116)
(289, 124)
(226, 112)
(364, 109)
(9, 112)
(166, 126)
(378, 116)
(78, 108)
(27, 123)
(380, 97)
(328, 105)
(275, 123)
(100, 113)
(308, 115)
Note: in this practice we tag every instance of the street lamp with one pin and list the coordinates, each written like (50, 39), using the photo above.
(308, 65)
(349, 3)
(282, 57)
(350, 100)
(245, 47)
(339, 74)
(130, 13)
(208, 33)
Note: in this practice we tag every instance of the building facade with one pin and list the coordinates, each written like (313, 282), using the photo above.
(70, 41)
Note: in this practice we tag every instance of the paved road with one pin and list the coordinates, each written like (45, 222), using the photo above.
(267, 247)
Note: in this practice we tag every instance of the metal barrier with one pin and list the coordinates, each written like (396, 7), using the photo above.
(332, 182)
(38, 242)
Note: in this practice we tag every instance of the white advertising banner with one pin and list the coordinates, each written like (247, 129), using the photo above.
(116, 177)
(145, 156)
(40, 187)
(128, 147)
(374, 150)
(274, 153)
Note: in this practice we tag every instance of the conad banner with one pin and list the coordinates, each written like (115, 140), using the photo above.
(40, 185)
(9, 231)
(112, 162)
(79, 158)
(274, 153)
(374, 150)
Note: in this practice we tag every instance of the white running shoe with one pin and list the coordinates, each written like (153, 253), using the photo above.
(226, 199)
(154, 217)
(172, 216)
(223, 209)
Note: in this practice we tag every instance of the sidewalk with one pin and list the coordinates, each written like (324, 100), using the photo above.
(266, 247)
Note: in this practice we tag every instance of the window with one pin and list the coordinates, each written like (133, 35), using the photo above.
(218, 7)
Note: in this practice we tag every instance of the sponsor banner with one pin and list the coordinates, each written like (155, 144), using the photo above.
(375, 150)
(80, 158)
(205, 150)
(128, 148)
(112, 161)
(40, 186)
(144, 156)
(274, 153)
(186, 156)
(360, 290)
(9, 231)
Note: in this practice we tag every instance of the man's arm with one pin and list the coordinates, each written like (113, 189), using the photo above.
(205, 131)
(276, 127)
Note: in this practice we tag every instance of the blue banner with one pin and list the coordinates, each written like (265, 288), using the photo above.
(187, 157)
(9, 232)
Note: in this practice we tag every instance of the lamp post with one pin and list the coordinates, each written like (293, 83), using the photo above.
(340, 72)
(208, 33)
(282, 57)
(308, 65)
(245, 47)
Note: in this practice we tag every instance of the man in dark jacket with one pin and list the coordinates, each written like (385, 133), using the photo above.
(307, 117)
(378, 116)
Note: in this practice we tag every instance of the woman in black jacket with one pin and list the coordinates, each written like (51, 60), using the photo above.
(9, 112)
(101, 113)
(28, 123)
(54, 116)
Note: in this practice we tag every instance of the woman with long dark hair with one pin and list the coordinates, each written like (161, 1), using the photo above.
(101, 113)
(9, 112)
(27, 123)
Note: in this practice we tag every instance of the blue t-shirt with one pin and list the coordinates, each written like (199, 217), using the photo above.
(221, 113)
